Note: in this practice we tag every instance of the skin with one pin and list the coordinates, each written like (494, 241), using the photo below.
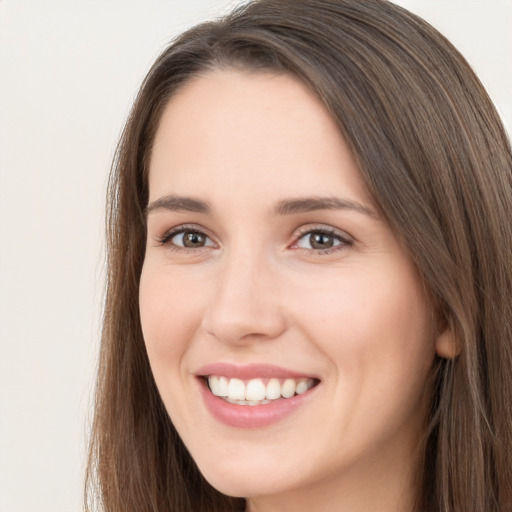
(355, 316)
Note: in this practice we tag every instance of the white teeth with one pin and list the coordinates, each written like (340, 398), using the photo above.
(288, 388)
(255, 392)
(273, 389)
(236, 389)
(247, 402)
(218, 385)
(302, 387)
(223, 386)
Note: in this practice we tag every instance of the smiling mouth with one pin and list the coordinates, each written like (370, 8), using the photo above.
(259, 391)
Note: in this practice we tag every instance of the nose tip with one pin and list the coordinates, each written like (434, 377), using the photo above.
(244, 308)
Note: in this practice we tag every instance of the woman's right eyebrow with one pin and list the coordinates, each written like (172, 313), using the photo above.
(178, 203)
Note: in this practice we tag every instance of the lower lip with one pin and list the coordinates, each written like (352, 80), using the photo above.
(251, 416)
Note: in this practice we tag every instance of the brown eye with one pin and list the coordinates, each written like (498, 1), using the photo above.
(190, 240)
(320, 240)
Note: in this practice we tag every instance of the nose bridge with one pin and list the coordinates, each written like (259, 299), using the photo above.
(243, 305)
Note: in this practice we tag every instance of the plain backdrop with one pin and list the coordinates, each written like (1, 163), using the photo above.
(69, 71)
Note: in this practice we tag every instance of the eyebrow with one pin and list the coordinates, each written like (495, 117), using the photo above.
(286, 207)
(178, 204)
(310, 204)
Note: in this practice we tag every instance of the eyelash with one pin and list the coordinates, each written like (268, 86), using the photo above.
(343, 239)
(169, 235)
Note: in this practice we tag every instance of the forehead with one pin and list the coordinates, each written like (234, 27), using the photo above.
(235, 129)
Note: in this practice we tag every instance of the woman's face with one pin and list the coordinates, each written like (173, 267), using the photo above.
(269, 272)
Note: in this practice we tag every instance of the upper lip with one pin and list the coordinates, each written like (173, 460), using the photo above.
(250, 371)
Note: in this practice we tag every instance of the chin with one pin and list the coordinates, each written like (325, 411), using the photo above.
(241, 482)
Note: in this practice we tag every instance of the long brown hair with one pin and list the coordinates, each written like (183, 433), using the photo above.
(433, 153)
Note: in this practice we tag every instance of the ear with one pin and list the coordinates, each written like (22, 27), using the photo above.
(446, 344)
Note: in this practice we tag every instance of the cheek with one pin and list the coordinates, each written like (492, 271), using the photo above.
(169, 311)
(170, 317)
(378, 338)
(374, 326)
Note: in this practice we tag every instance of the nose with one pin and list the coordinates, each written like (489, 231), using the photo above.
(245, 306)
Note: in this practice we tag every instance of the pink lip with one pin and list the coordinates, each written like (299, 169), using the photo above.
(250, 416)
(250, 371)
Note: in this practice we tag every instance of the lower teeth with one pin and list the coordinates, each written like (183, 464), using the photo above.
(246, 402)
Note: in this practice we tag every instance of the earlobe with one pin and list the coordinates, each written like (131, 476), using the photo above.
(446, 345)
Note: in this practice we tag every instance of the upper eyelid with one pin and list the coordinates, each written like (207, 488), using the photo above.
(326, 228)
(190, 226)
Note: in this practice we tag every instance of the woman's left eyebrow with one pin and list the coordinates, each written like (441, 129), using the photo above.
(309, 204)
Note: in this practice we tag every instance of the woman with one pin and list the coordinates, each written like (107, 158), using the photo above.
(310, 272)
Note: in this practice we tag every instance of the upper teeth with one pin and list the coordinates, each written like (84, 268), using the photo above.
(256, 389)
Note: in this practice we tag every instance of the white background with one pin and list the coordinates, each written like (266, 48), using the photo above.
(69, 71)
